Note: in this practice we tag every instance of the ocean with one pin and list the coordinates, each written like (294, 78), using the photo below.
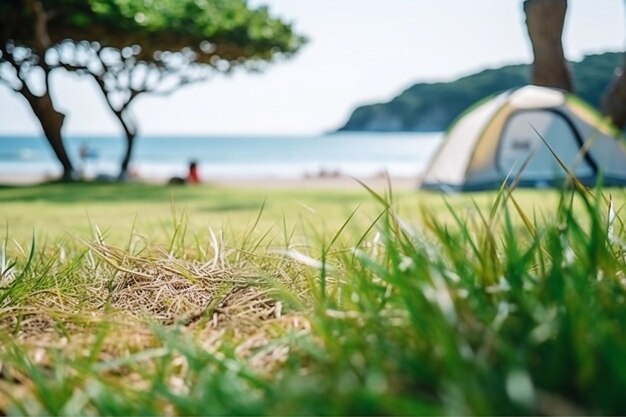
(289, 157)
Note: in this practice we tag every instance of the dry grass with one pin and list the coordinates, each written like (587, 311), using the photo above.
(110, 313)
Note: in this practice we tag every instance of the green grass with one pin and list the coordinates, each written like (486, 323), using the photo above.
(55, 209)
(163, 300)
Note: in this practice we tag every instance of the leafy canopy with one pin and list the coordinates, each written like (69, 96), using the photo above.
(212, 29)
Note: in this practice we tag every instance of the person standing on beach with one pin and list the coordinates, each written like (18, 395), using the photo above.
(192, 176)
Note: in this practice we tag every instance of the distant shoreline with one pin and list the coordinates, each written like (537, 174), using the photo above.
(234, 160)
(331, 182)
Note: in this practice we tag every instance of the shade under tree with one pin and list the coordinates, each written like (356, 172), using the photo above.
(131, 48)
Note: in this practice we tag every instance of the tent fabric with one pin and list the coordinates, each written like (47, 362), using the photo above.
(515, 134)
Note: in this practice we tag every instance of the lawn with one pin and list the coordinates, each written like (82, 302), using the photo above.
(140, 299)
(154, 210)
(56, 210)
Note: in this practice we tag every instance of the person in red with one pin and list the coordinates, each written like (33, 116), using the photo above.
(192, 176)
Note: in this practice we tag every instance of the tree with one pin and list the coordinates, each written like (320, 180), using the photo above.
(221, 36)
(545, 20)
(130, 48)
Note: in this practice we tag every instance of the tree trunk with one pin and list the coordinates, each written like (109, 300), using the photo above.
(125, 118)
(614, 100)
(545, 20)
(51, 122)
(130, 131)
(50, 119)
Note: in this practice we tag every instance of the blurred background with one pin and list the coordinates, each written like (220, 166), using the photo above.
(370, 88)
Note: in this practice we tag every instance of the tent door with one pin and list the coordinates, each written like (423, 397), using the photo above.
(521, 140)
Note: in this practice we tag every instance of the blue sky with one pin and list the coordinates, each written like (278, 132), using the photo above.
(360, 51)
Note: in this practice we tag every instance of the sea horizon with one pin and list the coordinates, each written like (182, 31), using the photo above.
(159, 157)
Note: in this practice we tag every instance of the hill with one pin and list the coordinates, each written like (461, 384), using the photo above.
(428, 107)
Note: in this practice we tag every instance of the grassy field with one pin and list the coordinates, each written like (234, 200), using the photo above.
(56, 210)
(139, 299)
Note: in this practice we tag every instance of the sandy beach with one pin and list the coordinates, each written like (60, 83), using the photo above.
(339, 182)
(334, 182)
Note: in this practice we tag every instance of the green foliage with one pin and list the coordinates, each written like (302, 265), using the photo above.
(233, 29)
(432, 107)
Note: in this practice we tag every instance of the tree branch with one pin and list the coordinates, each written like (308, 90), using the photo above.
(41, 36)
(8, 57)
(180, 83)
(42, 39)
(9, 85)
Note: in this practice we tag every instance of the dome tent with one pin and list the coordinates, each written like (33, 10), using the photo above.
(493, 139)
